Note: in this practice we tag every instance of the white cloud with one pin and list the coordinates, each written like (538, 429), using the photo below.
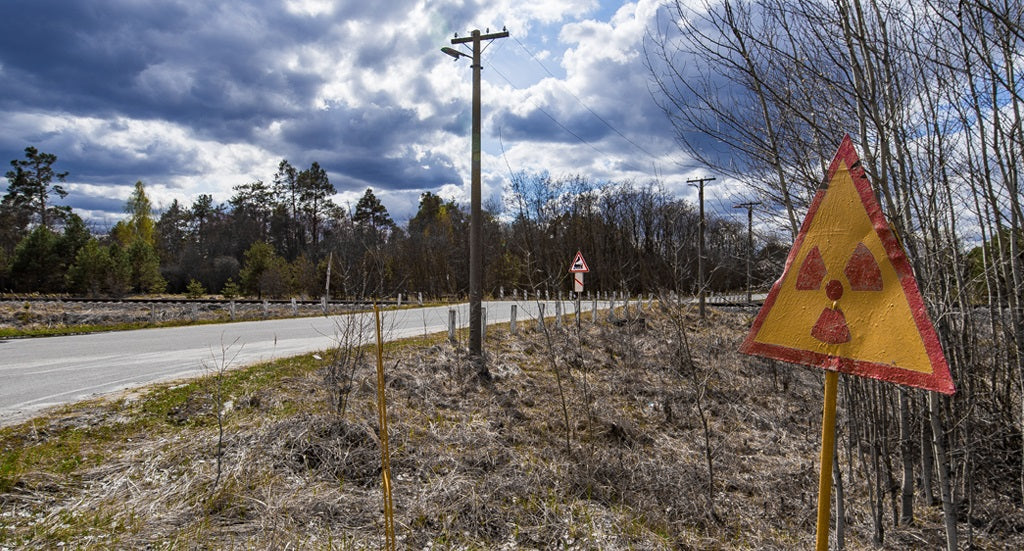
(310, 8)
(219, 97)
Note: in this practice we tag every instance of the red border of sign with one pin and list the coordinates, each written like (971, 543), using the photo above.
(939, 380)
(579, 256)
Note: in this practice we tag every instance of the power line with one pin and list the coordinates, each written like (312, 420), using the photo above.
(581, 101)
(567, 130)
(549, 115)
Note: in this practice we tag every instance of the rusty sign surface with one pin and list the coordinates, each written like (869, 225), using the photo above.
(847, 299)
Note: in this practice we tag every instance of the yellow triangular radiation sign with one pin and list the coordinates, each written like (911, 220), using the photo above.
(847, 299)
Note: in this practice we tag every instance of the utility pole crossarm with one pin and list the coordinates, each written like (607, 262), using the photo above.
(476, 261)
(491, 36)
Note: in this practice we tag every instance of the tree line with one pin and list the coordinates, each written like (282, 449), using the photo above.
(282, 239)
(931, 92)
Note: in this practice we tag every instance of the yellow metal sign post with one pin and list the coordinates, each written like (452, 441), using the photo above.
(385, 455)
(828, 444)
(847, 302)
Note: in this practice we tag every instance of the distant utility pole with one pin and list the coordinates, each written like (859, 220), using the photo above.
(700, 242)
(476, 244)
(750, 238)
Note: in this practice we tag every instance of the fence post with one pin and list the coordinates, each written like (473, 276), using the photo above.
(512, 319)
(540, 316)
(451, 325)
(558, 311)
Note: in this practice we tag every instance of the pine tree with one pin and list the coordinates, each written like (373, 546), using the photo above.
(30, 184)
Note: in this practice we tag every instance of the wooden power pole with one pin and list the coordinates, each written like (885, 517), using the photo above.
(699, 182)
(476, 260)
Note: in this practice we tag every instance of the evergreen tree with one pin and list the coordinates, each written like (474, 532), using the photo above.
(171, 233)
(286, 189)
(436, 240)
(372, 214)
(145, 266)
(315, 193)
(252, 207)
(88, 273)
(36, 266)
(30, 184)
(264, 272)
(75, 236)
(118, 280)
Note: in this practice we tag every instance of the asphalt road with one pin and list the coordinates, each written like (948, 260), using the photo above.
(42, 372)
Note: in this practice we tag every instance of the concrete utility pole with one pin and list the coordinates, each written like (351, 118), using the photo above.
(476, 260)
(700, 243)
(750, 238)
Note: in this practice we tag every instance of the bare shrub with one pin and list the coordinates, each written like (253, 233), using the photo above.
(352, 336)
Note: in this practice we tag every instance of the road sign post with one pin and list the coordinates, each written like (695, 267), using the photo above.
(847, 302)
(577, 268)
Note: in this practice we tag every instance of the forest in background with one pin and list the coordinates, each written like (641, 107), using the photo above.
(278, 239)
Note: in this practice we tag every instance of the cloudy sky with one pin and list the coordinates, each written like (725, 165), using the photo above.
(198, 96)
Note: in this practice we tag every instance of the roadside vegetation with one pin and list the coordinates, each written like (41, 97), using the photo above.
(929, 92)
(646, 431)
(20, 319)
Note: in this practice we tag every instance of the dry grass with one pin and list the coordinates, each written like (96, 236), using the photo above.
(21, 319)
(476, 464)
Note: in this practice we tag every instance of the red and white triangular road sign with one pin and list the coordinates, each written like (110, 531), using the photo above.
(578, 266)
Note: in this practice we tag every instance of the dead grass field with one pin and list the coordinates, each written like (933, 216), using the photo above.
(589, 440)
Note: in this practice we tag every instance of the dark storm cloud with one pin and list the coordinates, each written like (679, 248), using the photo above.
(117, 166)
(106, 203)
(88, 161)
(218, 70)
(195, 79)
(539, 125)
(200, 64)
(371, 127)
(369, 147)
(356, 169)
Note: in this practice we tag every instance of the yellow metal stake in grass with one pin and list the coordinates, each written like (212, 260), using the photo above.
(828, 440)
(848, 302)
(382, 412)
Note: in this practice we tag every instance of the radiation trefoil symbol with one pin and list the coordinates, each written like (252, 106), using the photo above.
(847, 299)
(862, 274)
